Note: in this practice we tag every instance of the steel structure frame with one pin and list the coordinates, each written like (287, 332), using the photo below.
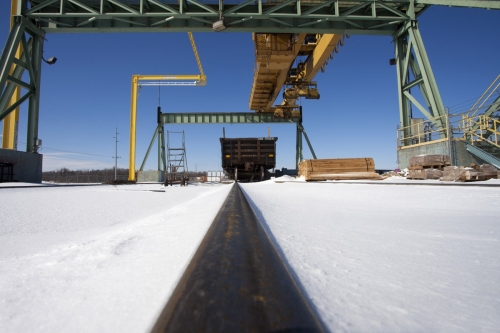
(366, 17)
(27, 38)
(162, 163)
(414, 71)
(241, 118)
(291, 16)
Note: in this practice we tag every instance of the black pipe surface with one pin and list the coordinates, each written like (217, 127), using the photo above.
(237, 282)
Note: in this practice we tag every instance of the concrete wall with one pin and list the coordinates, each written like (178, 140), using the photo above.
(461, 157)
(27, 166)
(439, 148)
(149, 176)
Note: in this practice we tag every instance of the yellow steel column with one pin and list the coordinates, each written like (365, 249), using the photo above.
(133, 117)
(11, 121)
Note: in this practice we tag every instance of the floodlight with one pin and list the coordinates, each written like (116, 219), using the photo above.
(219, 25)
(392, 61)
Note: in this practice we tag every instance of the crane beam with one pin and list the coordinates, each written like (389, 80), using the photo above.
(293, 16)
(488, 4)
(324, 47)
(225, 118)
(274, 55)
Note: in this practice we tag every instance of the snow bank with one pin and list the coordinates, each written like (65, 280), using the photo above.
(97, 259)
(390, 258)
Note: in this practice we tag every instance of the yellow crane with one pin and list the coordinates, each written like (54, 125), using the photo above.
(275, 54)
(158, 79)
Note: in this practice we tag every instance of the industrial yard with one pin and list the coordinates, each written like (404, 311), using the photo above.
(295, 231)
(391, 255)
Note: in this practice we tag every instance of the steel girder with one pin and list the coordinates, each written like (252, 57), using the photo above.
(225, 118)
(487, 4)
(290, 16)
(293, 16)
(414, 71)
(11, 74)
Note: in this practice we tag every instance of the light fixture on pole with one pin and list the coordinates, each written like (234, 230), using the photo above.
(50, 61)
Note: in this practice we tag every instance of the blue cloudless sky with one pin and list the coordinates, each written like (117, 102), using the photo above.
(86, 94)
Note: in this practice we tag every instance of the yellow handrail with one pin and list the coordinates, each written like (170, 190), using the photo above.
(420, 133)
(484, 125)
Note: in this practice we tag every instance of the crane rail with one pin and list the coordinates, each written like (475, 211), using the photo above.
(237, 282)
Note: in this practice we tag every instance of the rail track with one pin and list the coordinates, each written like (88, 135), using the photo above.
(237, 282)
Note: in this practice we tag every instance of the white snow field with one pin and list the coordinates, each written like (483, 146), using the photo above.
(390, 258)
(371, 258)
(97, 258)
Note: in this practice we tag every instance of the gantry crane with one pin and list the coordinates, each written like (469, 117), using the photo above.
(162, 80)
(275, 55)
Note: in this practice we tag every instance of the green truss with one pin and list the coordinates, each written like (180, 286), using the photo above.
(225, 118)
(291, 16)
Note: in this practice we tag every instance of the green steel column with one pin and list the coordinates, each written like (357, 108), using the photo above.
(298, 147)
(34, 101)
(160, 133)
(414, 71)
(162, 143)
(404, 115)
(149, 149)
(308, 142)
(436, 104)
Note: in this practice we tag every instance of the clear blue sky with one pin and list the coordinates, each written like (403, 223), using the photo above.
(86, 94)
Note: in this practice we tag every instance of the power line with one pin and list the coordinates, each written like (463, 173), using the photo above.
(64, 124)
(70, 151)
(461, 103)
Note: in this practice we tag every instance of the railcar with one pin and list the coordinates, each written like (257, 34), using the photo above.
(248, 159)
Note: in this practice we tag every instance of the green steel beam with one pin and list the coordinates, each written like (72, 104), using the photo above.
(488, 4)
(290, 16)
(225, 118)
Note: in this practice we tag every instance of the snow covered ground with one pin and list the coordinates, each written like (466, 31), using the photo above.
(372, 258)
(385, 258)
(99, 258)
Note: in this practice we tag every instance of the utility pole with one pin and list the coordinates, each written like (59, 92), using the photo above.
(116, 157)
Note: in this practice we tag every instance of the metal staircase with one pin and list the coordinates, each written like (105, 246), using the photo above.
(177, 168)
(485, 151)
(481, 126)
